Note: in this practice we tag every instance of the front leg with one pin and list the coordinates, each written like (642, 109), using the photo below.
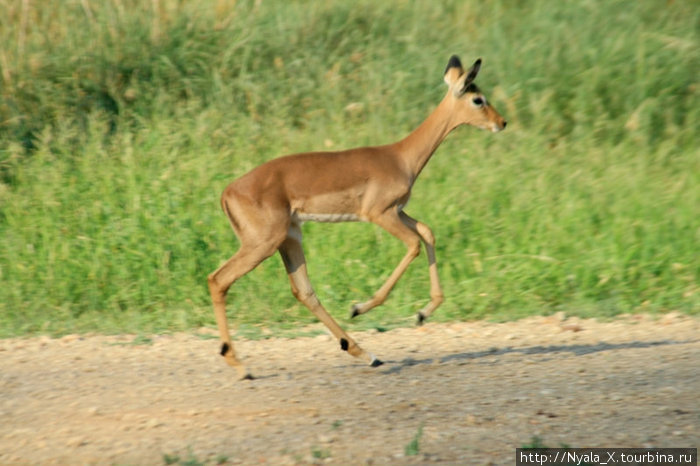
(436, 295)
(411, 232)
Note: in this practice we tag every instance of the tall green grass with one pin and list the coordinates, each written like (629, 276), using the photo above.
(120, 124)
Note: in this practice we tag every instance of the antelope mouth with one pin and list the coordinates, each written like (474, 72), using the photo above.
(497, 128)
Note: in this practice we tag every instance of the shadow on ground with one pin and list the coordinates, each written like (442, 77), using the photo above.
(576, 350)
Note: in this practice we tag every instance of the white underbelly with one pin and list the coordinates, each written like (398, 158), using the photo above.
(326, 218)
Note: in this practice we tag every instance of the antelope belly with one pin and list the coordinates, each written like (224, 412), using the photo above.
(327, 218)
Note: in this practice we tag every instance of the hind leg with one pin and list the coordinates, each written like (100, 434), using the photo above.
(260, 232)
(295, 263)
(245, 260)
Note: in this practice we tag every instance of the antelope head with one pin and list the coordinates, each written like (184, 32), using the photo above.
(469, 105)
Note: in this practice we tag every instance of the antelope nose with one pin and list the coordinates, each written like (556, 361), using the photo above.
(504, 124)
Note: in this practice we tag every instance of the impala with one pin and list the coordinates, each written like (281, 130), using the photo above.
(267, 206)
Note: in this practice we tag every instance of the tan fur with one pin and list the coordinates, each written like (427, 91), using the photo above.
(267, 205)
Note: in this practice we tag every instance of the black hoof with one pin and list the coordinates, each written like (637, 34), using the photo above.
(376, 363)
(420, 320)
(355, 311)
(248, 376)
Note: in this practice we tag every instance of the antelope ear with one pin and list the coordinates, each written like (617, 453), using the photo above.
(473, 71)
(453, 71)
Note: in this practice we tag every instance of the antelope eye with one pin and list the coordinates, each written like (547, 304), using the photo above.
(478, 101)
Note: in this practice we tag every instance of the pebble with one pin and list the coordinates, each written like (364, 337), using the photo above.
(572, 327)
(74, 442)
(93, 411)
(153, 423)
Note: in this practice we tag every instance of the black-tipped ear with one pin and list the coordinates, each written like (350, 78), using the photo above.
(453, 63)
(453, 71)
(473, 71)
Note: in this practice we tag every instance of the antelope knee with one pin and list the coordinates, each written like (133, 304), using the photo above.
(426, 233)
(217, 291)
(414, 248)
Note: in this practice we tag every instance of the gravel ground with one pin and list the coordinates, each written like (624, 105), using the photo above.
(468, 393)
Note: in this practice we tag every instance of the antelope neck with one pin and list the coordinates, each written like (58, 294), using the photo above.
(417, 148)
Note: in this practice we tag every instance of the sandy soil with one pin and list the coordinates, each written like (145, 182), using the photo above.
(470, 393)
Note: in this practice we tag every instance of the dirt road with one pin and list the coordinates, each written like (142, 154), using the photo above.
(464, 393)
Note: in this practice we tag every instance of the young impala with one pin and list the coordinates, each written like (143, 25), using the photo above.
(267, 206)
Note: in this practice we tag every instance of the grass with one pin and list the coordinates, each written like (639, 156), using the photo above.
(320, 453)
(412, 448)
(120, 125)
(192, 460)
(535, 444)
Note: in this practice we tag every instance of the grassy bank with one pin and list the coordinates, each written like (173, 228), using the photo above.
(120, 124)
